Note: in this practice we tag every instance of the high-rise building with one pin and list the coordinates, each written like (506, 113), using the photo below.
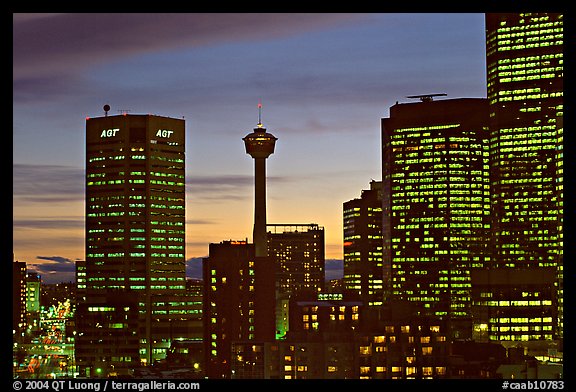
(80, 275)
(33, 289)
(363, 268)
(18, 298)
(33, 294)
(297, 251)
(238, 302)
(135, 235)
(436, 204)
(524, 57)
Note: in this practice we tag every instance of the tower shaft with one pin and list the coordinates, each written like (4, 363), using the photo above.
(259, 234)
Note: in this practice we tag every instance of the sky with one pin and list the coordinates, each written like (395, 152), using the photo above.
(325, 81)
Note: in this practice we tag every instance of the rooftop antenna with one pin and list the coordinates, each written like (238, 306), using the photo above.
(106, 109)
(124, 111)
(426, 97)
(259, 113)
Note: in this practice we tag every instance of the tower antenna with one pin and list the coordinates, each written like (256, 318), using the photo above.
(259, 113)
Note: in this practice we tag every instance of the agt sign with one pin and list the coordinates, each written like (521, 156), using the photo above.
(109, 132)
(112, 132)
(164, 133)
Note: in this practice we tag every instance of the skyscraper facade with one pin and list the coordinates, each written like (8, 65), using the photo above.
(436, 204)
(297, 251)
(18, 298)
(525, 92)
(33, 288)
(363, 268)
(135, 213)
(238, 302)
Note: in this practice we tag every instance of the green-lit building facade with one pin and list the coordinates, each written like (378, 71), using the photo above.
(436, 205)
(362, 231)
(525, 92)
(135, 229)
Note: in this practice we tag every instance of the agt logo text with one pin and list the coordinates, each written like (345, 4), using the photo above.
(164, 133)
(109, 132)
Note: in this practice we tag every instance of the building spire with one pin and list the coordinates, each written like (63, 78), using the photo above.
(259, 125)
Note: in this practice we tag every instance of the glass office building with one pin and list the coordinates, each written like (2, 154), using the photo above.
(362, 226)
(436, 204)
(135, 217)
(525, 92)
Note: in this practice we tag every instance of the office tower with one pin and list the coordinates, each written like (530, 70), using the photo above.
(363, 268)
(524, 57)
(238, 302)
(33, 289)
(18, 299)
(33, 293)
(80, 275)
(135, 235)
(436, 206)
(297, 251)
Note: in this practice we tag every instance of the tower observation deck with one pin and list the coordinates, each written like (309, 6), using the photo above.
(260, 145)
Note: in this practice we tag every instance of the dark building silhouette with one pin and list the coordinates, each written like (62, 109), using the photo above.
(19, 322)
(331, 342)
(363, 268)
(135, 236)
(107, 341)
(524, 57)
(80, 275)
(436, 205)
(238, 302)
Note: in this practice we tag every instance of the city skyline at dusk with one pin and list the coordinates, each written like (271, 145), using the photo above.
(324, 80)
(387, 218)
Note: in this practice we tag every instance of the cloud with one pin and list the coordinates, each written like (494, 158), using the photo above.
(199, 222)
(64, 44)
(58, 269)
(57, 259)
(47, 183)
(55, 184)
(47, 223)
(63, 269)
(226, 187)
